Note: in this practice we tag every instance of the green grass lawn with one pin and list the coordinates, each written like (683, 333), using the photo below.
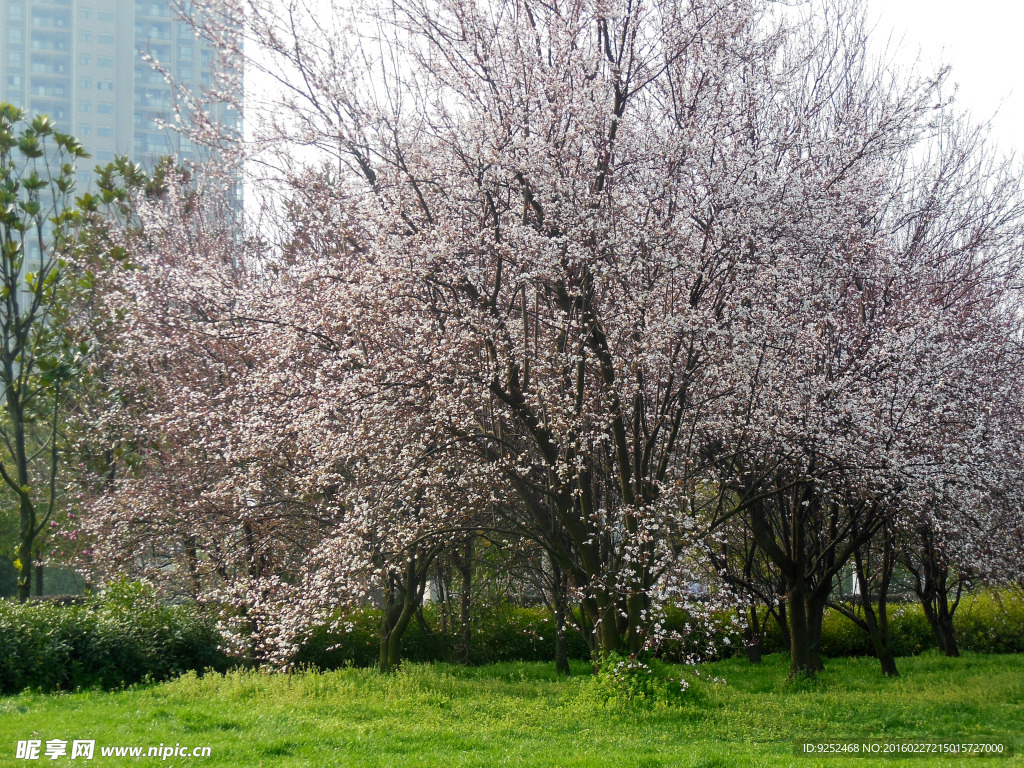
(520, 714)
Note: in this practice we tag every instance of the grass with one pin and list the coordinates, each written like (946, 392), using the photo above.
(520, 714)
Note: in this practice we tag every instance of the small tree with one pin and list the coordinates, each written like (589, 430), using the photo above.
(39, 352)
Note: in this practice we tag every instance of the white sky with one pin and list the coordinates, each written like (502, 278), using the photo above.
(981, 39)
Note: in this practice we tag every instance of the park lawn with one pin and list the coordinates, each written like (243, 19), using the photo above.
(520, 714)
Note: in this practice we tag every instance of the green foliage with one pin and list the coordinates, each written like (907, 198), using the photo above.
(989, 622)
(121, 637)
(508, 634)
(985, 622)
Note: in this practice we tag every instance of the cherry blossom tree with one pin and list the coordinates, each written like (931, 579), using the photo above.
(606, 276)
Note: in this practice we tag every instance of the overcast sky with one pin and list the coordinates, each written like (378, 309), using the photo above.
(981, 39)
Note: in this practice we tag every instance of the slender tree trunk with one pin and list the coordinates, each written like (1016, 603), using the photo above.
(752, 636)
(395, 639)
(608, 626)
(931, 585)
(559, 601)
(465, 565)
(587, 611)
(878, 627)
(403, 595)
(192, 559)
(390, 611)
(784, 626)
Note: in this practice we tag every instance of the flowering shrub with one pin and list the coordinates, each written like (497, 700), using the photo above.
(641, 680)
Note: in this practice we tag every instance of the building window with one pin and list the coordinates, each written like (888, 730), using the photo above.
(105, 108)
(48, 64)
(104, 85)
(206, 57)
(84, 13)
(85, 37)
(47, 18)
(105, 62)
(84, 60)
(85, 82)
(152, 8)
(84, 130)
(84, 106)
(49, 41)
(153, 29)
(185, 75)
(185, 53)
(15, 81)
(14, 58)
(105, 154)
(105, 39)
(106, 15)
(15, 36)
(105, 130)
(15, 13)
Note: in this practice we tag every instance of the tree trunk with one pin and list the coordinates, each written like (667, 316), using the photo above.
(931, 583)
(800, 663)
(752, 637)
(608, 637)
(465, 566)
(586, 626)
(878, 628)
(815, 617)
(402, 596)
(26, 540)
(784, 626)
(558, 602)
(943, 627)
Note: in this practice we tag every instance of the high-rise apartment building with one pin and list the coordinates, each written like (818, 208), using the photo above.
(80, 61)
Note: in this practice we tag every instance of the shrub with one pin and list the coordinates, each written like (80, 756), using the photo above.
(509, 634)
(985, 622)
(121, 637)
(991, 622)
(645, 680)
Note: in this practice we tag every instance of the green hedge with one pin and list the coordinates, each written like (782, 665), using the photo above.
(985, 623)
(991, 622)
(127, 636)
(511, 634)
(122, 637)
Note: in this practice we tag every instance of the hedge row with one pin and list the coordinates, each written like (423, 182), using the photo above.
(121, 637)
(985, 623)
(126, 636)
(511, 634)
